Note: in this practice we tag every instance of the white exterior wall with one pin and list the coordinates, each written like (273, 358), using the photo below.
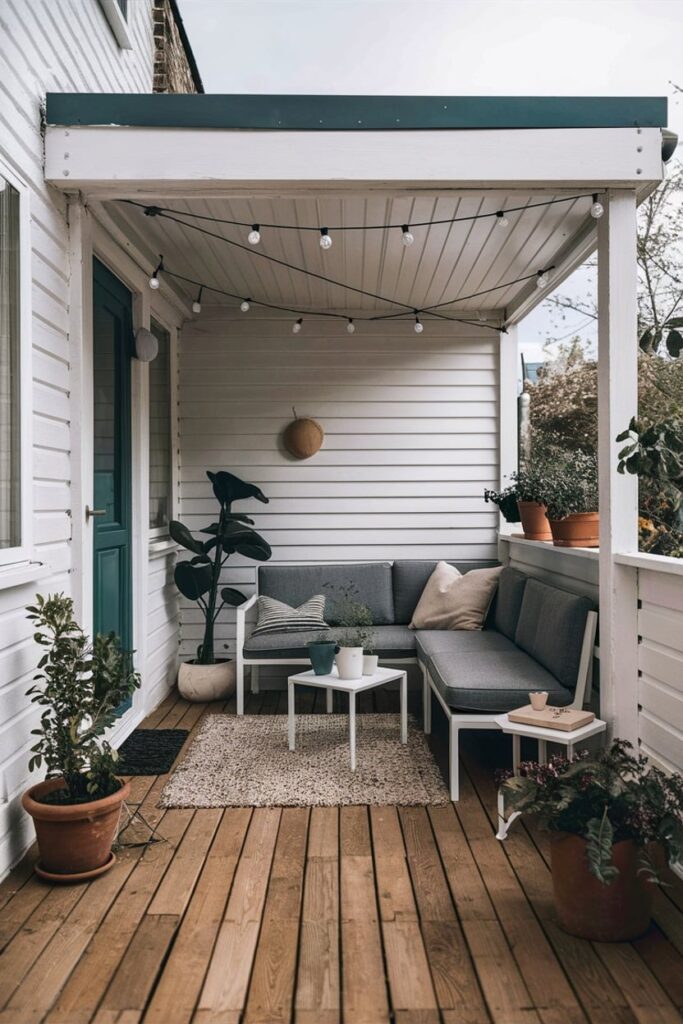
(411, 440)
(59, 45)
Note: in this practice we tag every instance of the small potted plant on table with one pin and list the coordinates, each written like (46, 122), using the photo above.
(616, 821)
(79, 687)
(356, 637)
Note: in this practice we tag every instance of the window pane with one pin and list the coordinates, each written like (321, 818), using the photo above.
(160, 431)
(10, 502)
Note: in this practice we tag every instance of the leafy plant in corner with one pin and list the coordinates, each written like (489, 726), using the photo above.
(570, 482)
(654, 453)
(79, 686)
(198, 578)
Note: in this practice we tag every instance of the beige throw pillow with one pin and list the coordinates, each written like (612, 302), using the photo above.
(453, 601)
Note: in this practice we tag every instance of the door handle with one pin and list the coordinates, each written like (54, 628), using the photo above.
(91, 512)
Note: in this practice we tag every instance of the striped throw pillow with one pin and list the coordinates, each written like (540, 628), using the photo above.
(278, 617)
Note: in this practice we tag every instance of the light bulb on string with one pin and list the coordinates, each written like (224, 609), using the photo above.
(501, 220)
(197, 304)
(541, 279)
(597, 209)
(154, 279)
(254, 236)
(351, 327)
(419, 326)
(407, 237)
(244, 305)
(297, 326)
(325, 239)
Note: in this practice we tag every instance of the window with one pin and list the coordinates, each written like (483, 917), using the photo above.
(10, 381)
(160, 476)
(116, 13)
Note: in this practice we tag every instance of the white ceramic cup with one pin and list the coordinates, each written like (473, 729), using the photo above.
(539, 699)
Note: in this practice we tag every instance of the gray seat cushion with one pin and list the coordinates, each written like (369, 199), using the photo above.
(493, 681)
(294, 584)
(390, 642)
(456, 642)
(551, 627)
(508, 602)
(410, 578)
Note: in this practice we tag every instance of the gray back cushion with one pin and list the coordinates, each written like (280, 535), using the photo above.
(551, 627)
(511, 584)
(410, 578)
(294, 584)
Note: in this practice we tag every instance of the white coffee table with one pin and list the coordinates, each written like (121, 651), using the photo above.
(332, 682)
(544, 736)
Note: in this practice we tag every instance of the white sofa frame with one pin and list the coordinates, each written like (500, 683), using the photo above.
(458, 720)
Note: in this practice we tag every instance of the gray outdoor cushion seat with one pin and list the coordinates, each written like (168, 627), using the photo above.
(390, 642)
(493, 682)
(294, 584)
(457, 643)
(410, 578)
(550, 628)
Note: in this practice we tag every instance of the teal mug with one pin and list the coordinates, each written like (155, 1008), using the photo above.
(321, 653)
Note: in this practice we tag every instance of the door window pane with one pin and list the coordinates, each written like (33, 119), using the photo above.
(10, 489)
(160, 431)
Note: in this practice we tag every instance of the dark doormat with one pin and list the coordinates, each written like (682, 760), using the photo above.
(150, 751)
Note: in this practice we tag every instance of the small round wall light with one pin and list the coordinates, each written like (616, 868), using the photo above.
(146, 345)
(303, 437)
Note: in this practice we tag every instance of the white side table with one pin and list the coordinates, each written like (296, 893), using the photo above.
(544, 736)
(332, 682)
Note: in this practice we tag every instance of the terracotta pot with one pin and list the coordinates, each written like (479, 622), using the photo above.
(585, 907)
(74, 839)
(534, 521)
(207, 682)
(580, 530)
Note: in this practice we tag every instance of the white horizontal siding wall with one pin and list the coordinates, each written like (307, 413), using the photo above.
(60, 45)
(411, 440)
(660, 664)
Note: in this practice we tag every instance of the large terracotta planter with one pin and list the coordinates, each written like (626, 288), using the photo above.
(534, 521)
(580, 530)
(74, 839)
(207, 682)
(585, 907)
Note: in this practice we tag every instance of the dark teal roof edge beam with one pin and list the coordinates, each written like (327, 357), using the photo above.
(354, 113)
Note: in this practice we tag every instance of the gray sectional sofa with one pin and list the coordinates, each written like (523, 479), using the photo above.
(536, 637)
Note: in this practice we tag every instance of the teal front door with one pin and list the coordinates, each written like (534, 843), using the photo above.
(111, 511)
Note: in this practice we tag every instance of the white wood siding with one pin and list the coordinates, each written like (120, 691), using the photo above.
(660, 665)
(411, 440)
(47, 45)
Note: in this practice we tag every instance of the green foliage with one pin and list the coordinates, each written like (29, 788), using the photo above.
(604, 799)
(506, 500)
(79, 685)
(565, 481)
(198, 578)
(355, 619)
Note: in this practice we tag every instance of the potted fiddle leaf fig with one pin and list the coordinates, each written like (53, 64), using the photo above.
(79, 686)
(207, 677)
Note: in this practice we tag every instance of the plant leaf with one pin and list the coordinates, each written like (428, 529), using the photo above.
(181, 535)
(599, 842)
(193, 581)
(228, 488)
(233, 597)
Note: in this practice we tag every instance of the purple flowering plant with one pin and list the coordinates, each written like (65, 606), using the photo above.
(604, 799)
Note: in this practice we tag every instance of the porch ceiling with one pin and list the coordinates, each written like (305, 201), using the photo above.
(446, 263)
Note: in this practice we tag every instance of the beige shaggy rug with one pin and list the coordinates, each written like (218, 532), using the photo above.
(245, 762)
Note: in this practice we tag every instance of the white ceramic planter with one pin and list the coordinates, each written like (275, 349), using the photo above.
(370, 663)
(350, 662)
(207, 682)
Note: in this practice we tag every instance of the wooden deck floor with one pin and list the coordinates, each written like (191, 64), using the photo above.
(324, 915)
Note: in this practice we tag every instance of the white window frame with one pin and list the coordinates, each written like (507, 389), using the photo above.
(157, 533)
(117, 23)
(11, 558)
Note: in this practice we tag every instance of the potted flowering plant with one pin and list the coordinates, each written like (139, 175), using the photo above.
(616, 822)
(570, 491)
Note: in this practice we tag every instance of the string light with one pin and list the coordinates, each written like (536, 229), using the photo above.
(254, 236)
(245, 306)
(541, 278)
(154, 279)
(197, 304)
(351, 327)
(597, 209)
(502, 220)
(419, 326)
(325, 239)
(297, 326)
(407, 237)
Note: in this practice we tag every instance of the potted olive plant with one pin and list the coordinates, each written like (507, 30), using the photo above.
(356, 638)
(207, 677)
(616, 822)
(79, 687)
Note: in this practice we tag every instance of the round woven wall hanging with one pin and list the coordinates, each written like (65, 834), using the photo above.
(303, 437)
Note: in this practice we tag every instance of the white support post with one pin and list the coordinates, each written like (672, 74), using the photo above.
(507, 405)
(617, 403)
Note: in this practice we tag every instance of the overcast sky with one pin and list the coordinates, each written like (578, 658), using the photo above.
(454, 47)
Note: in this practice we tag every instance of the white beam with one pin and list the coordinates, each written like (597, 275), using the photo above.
(507, 408)
(617, 403)
(131, 161)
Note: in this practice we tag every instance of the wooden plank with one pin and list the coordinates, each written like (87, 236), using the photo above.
(183, 974)
(394, 888)
(644, 994)
(227, 979)
(665, 962)
(176, 887)
(364, 993)
(318, 992)
(138, 970)
(271, 990)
